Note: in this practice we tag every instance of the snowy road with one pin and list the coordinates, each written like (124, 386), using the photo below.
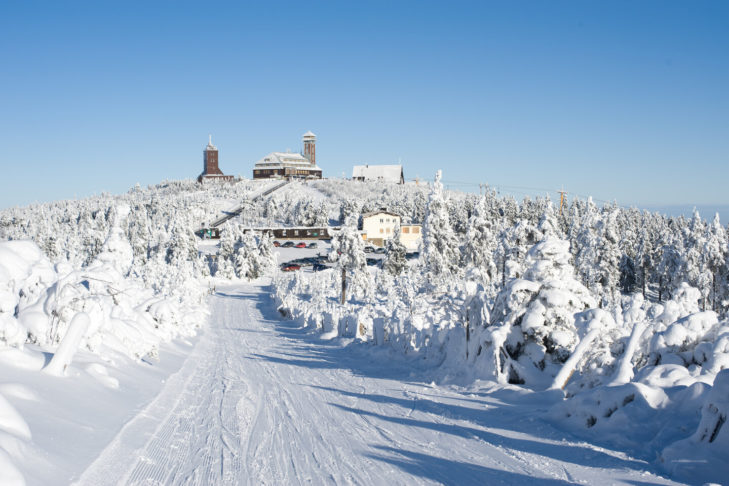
(261, 401)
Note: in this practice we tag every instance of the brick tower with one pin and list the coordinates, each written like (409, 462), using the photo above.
(210, 163)
(309, 147)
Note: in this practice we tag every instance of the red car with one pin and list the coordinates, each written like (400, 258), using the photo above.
(291, 268)
(276, 244)
(301, 245)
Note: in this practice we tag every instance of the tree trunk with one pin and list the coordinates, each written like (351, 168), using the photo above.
(643, 282)
(565, 373)
(624, 372)
(468, 333)
(660, 289)
(503, 272)
(344, 285)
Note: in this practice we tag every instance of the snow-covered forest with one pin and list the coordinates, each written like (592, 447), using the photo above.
(619, 315)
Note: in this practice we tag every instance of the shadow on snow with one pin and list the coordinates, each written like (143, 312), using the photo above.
(495, 417)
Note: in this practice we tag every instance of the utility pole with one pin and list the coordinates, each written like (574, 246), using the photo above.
(562, 194)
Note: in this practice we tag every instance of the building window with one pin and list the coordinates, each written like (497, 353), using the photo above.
(382, 220)
(416, 230)
(382, 230)
(388, 231)
(405, 229)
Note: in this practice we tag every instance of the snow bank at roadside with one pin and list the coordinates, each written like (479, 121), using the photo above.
(642, 378)
(61, 310)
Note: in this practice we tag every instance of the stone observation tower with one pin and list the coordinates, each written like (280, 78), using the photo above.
(309, 147)
(210, 164)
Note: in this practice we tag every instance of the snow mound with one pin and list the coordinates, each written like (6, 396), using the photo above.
(702, 457)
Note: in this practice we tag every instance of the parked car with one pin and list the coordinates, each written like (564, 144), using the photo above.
(287, 244)
(369, 249)
(301, 245)
(380, 250)
(373, 261)
(276, 244)
(318, 267)
(291, 267)
(313, 245)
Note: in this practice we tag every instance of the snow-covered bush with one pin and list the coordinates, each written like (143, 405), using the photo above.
(532, 329)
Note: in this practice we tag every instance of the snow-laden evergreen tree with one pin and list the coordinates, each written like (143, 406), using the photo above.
(267, 257)
(609, 257)
(574, 218)
(226, 254)
(549, 225)
(693, 246)
(395, 262)
(670, 265)
(348, 253)
(628, 275)
(245, 256)
(348, 209)
(645, 258)
(254, 256)
(714, 256)
(481, 244)
(440, 257)
(139, 234)
(532, 328)
(587, 256)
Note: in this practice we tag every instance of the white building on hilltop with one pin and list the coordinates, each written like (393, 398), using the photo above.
(288, 164)
(382, 173)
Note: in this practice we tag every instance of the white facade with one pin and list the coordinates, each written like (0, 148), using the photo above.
(379, 226)
(383, 173)
(411, 236)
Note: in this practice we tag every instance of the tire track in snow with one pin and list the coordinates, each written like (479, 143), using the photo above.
(263, 403)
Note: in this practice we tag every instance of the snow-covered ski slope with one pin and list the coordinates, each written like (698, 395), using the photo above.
(262, 401)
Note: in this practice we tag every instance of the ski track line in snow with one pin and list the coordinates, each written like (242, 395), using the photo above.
(261, 401)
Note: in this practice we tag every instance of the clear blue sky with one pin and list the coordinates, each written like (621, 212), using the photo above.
(621, 100)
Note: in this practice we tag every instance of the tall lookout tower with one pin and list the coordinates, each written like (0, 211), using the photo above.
(210, 164)
(309, 147)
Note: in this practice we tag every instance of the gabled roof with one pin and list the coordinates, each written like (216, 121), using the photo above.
(308, 135)
(288, 159)
(387, 173)
(376, 213)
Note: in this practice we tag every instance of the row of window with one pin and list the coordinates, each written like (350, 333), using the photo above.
(404, 229)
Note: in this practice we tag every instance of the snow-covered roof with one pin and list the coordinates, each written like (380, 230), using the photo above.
(387, 173)
(308, 135)
(285, 159)
(377, 213)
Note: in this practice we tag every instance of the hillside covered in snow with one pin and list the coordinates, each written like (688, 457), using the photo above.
(613, 320)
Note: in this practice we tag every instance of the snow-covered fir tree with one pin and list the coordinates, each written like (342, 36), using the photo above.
(440, 257)
(348, 253)
(395, 261)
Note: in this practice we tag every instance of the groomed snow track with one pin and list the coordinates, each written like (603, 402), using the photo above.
(261, 401)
